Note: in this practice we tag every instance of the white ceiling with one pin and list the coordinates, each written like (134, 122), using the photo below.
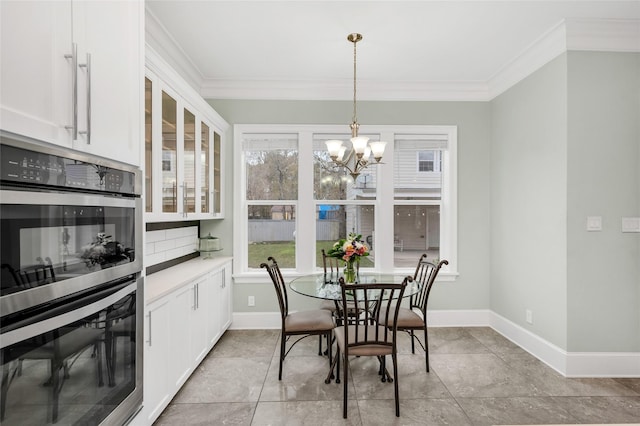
(410, 49)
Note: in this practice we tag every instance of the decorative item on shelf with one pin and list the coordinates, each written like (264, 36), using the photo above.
(350, 250)
(358, 158)
(207, 245)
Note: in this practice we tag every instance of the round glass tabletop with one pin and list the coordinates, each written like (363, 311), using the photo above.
(326, 286)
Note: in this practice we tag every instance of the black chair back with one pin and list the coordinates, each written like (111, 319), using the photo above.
(279, 285)
(425, 275)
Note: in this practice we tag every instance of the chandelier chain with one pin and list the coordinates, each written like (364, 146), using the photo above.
(355, 116)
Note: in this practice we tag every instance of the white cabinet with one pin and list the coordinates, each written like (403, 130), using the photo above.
(225, 298)
(219, 315)
(183, 326)
(157, 388)
(179, 332)
(183, 149)
(71, 74)
(35, 88)
(198, 320)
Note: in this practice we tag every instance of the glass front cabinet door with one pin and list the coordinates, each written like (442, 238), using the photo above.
(183, 155)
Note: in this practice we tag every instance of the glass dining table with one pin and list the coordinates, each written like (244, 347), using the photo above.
(327, 287)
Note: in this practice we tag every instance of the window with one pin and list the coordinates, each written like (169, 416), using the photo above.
(429, 161)
(271, 193)
(419, 195)
(292, 201)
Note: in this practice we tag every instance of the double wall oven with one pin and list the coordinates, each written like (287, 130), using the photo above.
(71, 300)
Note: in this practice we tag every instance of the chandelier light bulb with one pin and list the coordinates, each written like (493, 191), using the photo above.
(367, 152)
(333, 146)
(377, 148)
(359, 144)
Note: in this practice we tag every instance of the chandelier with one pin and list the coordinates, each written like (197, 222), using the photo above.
(361, 149)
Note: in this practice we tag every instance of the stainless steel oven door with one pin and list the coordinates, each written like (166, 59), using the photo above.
(76, 362)
(57, 243)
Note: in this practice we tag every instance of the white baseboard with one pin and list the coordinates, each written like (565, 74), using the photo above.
(603, 364)
(569, 364)
(576, 364)
(255, 320)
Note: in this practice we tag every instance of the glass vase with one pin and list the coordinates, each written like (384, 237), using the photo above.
(349, 273)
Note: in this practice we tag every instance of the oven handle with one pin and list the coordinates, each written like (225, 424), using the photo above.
(37, 328)
(64, 198)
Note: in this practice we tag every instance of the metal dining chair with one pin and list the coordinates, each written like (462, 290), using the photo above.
(318, 322)
(364, 337)
(414, 318)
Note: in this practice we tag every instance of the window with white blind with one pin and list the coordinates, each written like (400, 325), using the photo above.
(291, 200)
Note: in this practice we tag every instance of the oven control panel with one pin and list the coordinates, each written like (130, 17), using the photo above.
(27, 167)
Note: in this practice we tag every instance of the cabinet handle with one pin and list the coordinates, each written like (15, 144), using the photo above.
(194, 297)
(198, 296)
(149, 341)
(184, 199)
(74, 82)
(88, 67)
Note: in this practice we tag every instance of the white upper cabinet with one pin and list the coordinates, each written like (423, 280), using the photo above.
(183, 149)
(36, 90)
(110, 54)
(71, 74)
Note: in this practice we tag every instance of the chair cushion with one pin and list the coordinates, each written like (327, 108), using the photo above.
(329, 305)
(373, 349)
(309, 321)
(407, 319)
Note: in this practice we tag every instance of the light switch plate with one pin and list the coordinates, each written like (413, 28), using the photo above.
(594, 223)
(631, 224)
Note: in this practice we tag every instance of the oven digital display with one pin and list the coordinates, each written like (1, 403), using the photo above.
(28, 167)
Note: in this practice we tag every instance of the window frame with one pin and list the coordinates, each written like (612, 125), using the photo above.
(306, 204)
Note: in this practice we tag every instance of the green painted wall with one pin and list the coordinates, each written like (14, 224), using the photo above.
(471, 290)
(565, 145)
(528, 203)
(603, 180)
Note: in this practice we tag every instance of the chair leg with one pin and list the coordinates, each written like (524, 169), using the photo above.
(346, 386)
(394, 358)
(332, 366)
(329, 349)
(426, 348)
(282, 346)
(413, 343)
(338, 358)
(320, 344)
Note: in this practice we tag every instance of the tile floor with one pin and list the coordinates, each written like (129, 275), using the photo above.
(477, 378)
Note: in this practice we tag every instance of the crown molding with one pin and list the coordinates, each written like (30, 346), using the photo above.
(547, 47)
(156, 64)
(606, 35)
(157, 36)
(609, 35)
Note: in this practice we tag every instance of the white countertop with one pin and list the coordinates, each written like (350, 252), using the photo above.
(165, 281)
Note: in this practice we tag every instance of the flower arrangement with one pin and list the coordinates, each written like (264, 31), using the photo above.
(349, 249)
